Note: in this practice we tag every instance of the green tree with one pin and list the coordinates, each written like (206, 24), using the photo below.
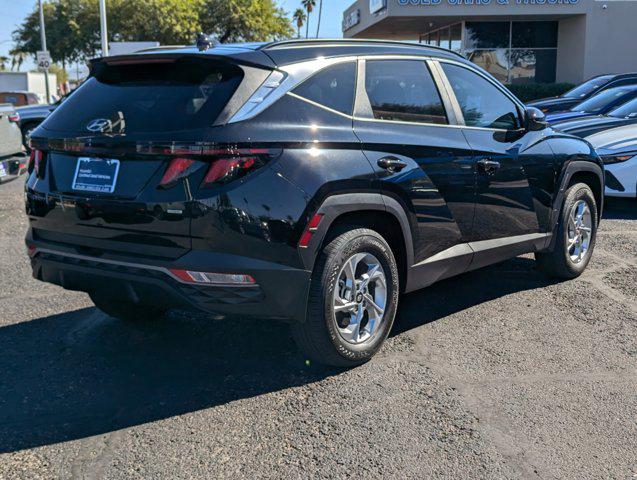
(309, 6)
(60, 72)
(245, 20)
(4, 60)
(299, 17)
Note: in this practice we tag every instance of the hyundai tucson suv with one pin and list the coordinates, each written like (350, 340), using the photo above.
(305, 181)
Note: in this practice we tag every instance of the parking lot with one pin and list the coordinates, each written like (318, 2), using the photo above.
(498, 373)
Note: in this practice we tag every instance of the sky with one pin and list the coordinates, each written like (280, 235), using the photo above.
(14, 11)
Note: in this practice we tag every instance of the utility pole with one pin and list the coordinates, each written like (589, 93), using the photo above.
(103, 28)
(43, 40)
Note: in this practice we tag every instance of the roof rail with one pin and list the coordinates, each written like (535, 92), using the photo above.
(349, 41)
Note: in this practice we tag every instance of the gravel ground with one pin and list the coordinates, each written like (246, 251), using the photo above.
(499, 373)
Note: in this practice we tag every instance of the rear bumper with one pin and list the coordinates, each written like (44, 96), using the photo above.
(280, 292)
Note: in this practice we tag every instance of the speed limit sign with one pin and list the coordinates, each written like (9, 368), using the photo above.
(43, 60)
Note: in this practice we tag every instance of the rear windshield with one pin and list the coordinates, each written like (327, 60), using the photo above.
(153, 96)
(626, 110)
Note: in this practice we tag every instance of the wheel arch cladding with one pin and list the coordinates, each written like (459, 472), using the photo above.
(368, 210)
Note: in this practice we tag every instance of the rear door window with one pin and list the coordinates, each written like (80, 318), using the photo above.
(332, 87)
(155, 95)
(403, 90)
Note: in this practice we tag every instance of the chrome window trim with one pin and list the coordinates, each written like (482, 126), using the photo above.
(296, 73)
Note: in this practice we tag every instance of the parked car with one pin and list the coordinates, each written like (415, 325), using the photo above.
(625, 114)
(305, 181)
(19, 98)
(583, 92)
(599, 104)
(618, 149)
(13, 162)
(32, 116)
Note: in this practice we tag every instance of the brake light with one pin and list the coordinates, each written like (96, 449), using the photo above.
(312, 225)
(224, 170)
(177, 169)
(14, 117)
(37, 163)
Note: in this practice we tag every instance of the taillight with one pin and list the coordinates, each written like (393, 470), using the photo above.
(177, 169)
(225, 170)
(14, 117)
(226, 164)
(37, 163)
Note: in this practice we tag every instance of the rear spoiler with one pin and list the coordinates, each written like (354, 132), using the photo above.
(247, 58)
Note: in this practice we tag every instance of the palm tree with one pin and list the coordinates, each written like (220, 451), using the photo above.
(300, 18)
(3, 62)
(318, 25)
(309, 6)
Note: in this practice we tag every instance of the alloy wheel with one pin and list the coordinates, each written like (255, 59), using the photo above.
(360, 298)
(579, 231)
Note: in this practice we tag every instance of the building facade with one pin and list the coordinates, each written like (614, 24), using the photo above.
(518, 41)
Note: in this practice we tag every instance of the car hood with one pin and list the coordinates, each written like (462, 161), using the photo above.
(621, 139)
(560, 117)
(590, 124)
(552, 102)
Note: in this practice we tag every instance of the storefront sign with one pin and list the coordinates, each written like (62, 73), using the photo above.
(486, 2)
(351, 19)
(377, 5)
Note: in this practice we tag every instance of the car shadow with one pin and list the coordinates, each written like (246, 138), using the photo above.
(620, 209)
(81, 373)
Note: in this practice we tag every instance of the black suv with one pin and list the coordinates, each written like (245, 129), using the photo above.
(306, 181)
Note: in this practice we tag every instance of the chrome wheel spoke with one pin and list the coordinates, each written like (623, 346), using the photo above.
(371, 304)
(341, 305)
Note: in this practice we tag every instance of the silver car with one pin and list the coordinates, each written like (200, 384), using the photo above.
(13, 161)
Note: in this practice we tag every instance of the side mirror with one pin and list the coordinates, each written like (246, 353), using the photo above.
(535, 119)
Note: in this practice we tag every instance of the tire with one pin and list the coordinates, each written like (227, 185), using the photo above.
(558, 262)
(126, 311)
(337, 338)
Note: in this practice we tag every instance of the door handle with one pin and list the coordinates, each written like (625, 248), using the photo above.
(391, 164)
(488, 166)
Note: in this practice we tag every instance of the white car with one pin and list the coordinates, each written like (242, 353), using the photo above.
(618, 149)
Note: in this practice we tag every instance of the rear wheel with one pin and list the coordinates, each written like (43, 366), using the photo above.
(352, 302)
(576, 235)
(126, 311)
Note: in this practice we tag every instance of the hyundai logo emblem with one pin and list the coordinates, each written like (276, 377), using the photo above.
(99, 125)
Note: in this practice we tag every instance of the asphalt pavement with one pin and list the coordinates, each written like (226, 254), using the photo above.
(498, 373)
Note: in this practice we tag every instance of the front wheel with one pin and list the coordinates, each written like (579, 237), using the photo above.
(352, 301)
(576, 233)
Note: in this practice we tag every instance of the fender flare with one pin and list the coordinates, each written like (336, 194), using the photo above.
(338, 204)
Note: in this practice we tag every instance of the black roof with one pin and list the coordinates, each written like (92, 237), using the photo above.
(291, 51)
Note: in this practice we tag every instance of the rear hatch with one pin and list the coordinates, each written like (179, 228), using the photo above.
(109, 146)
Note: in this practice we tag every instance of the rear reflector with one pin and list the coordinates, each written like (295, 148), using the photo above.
(178, 168)
(312, 225)
(14, 117)
(209, 278)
